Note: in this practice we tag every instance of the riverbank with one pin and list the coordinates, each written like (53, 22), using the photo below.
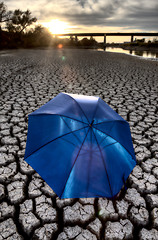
(131, 48)
(29, 208)
(135, 53)
(141, 48)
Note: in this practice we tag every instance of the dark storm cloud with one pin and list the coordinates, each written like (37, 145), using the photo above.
(81, 2)
(145, 13)
(125, 14)
(95, 12)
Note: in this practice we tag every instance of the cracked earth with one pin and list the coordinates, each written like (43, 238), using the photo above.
(29, 208)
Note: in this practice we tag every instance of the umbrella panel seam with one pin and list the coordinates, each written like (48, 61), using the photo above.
(79, 106)
(89, 162)
(116, 141)
(106, 134)
(123, 121)
(109, 145)
(103, 163)
(60, 115)
(95, 110)
(68, 142)
(54, 140)
(71, 130)
(74, 163)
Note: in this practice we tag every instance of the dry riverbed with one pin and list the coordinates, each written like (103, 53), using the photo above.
(29, 209)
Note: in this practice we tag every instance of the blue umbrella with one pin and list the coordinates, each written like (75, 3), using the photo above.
(80, 146)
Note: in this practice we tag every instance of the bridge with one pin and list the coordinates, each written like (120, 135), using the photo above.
(132, 35)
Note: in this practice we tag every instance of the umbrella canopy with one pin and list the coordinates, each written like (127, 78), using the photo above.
(80, 146)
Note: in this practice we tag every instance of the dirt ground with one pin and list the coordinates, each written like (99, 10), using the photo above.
(29, 209)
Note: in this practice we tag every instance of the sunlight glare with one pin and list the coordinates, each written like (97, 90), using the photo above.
(56, 26)
(60, 46)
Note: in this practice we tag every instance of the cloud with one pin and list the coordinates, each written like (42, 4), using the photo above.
(125, 14)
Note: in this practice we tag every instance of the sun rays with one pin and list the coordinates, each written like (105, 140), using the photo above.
(56, 26)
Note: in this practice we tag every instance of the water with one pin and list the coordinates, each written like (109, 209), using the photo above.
(146, 54)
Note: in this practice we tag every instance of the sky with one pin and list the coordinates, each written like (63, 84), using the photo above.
(92, 15)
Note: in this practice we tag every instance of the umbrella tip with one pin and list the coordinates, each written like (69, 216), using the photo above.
(90, 125)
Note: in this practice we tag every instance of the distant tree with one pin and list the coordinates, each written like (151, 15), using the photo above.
(88, 42)
(155, 40)
(140, 40)
(4, 14)
(20, 20)
(37, 37)
(42, 36)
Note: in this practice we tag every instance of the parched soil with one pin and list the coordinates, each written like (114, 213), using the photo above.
(29, 209)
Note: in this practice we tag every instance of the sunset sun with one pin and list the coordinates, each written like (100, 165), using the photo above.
(56, 26)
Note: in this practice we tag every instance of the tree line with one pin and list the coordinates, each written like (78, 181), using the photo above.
(16, 31)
